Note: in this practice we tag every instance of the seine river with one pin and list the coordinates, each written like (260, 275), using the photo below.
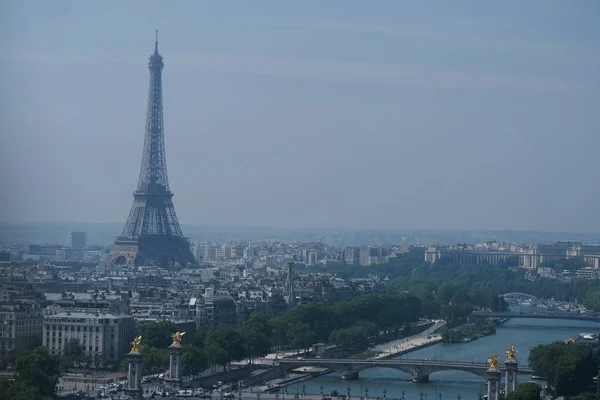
(523, 333)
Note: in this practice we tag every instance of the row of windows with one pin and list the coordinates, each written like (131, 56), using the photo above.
(84, 320)
(90, 348)
(24, 322)
(60, 328)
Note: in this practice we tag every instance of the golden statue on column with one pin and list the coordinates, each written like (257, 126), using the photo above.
(510, 353)
(135, 345)
(177, 338)
(493, 361)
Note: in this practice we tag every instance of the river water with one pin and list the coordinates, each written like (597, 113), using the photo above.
(522, 333)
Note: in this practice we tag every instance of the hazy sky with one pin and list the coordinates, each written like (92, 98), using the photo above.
(364, 114)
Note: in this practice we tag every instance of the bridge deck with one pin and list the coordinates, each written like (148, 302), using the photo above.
(539, 314)
(394, 362)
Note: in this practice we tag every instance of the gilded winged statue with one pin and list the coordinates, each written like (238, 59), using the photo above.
(135, 345)
(493, 361)
(177, 337)
(511, 352)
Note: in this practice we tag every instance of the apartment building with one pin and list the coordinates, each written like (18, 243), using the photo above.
(20, 327)
(101, 335)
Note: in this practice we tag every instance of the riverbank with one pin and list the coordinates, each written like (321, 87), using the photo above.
(382, 351)
(524, 334)
(399, 347)
(471, 331)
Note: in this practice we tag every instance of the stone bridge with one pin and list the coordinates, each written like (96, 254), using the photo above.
(419, 369)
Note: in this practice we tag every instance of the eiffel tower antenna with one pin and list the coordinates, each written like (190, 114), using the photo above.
(156, 43)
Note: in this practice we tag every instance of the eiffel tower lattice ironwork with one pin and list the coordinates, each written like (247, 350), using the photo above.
(152, 235)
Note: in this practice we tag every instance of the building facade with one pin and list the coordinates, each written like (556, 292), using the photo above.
(100, 335)
(20, 327)
(77, 240)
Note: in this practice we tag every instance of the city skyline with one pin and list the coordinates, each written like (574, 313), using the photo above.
(292, 115)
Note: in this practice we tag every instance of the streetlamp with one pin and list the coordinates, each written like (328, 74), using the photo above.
(284, 392)
(440, 396)
(421, 395)
(322, 387)
(402, 393)
(276, 396)
(426, 395)
(384, 393)
(303, 390)
(480, 395)
(348, 390)
(257, 396)
(367, 393)
(240, 393)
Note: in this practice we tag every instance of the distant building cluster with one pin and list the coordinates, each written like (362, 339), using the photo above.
(370, 255)
(528, 256)
(214, 252)
(101, 305)
(75, 249)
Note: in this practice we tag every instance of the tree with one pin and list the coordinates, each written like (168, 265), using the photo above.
(525, 391)
(498, 304)
(19, 390)
(229, 340)
(300, 335)
(158, 334)
(430, 306)
(193, 360)
(199, 338)
(38, 370)
(73, 351)
(216, 355)
(448, 290)
(569, 368)
(587, 396)
(154, 360)
(257, 331)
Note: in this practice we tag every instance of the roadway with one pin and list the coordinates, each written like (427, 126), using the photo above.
(411, 343)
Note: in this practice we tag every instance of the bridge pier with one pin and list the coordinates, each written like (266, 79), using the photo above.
(420, 376)
(511, 373)
(350, 375)
(493, 381)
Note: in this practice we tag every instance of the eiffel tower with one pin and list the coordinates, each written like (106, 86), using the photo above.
(152, 235)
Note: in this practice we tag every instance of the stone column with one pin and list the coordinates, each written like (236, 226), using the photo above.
(510, 377)
(134, 375)
(493, 381)
(174, 377)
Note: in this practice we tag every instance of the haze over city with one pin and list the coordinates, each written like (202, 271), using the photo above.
(307, 114)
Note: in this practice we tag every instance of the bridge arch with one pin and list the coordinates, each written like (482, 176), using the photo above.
(426, 371)
(515, 297)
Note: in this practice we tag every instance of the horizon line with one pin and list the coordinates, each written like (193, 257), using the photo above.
(316, 227)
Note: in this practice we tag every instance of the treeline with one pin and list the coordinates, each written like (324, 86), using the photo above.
(350, 324)
(569, 368)
(36, 377)
(410, 272)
